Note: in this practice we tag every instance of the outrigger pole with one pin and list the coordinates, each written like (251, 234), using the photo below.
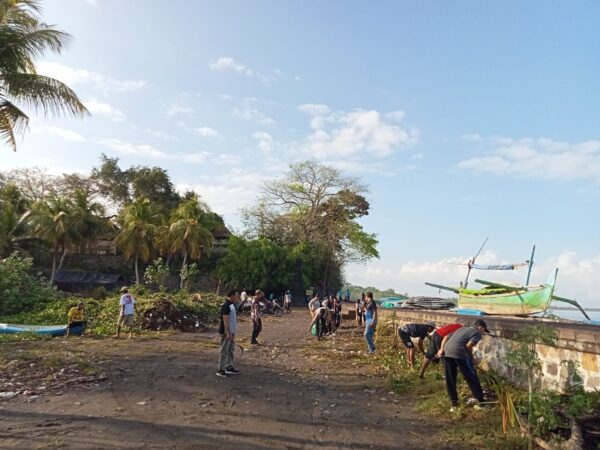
(472, 261)
(530, 266)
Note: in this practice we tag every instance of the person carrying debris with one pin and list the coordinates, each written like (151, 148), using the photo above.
(320, 319)
(126, 312)
(76, 318)
(313, 305)
(227, 330)
(414, 330)
(255, 315)
(435, 343)
(457, 349)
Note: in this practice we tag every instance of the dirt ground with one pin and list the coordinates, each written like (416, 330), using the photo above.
(161, 392)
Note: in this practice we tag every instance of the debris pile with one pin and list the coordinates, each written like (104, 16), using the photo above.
(164, 315)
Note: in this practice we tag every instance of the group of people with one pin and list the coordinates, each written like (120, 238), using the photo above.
(452, 344)
(325, 314)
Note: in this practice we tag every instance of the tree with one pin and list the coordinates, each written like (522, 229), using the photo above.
(88, 218)
(256, 263)
(190, 231)
(319, 206)
(14, 216)
(139, 222)
(54, 221)
(23, 39)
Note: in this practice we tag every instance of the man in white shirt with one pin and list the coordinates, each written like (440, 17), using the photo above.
(313, 305)
(126, 312)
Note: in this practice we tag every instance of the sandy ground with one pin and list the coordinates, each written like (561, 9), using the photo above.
(162, 393)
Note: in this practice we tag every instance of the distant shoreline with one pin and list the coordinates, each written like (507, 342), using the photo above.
(564, 308)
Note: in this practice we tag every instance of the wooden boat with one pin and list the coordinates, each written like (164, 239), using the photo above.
(47, 330)
(500, 298)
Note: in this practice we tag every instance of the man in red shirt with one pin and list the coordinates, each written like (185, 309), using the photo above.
(435, 343)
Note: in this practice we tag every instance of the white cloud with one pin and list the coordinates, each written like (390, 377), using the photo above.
(225, 195)
(539, 159)
(398, 116)
(104, 109)
(175, 109)
(225, 97)
(314, 109)
(265, 142)
(576, 277)
(91, 2)
(355, 133)
(228, 64)
(62, 133)
(247, 111)
(99, 82)
(128, 148)
(207, 132)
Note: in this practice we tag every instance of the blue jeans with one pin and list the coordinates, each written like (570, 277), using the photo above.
(369, 332)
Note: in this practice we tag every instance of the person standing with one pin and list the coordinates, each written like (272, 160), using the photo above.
(457, 349)
(287, 302)
(255, 315)
(227, 330)
(370, 321)
(126, 312)
(347, 294)
(76, 318)
(414, 330)
(435, 343)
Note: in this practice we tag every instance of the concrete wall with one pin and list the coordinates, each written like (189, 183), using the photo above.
(576, 342)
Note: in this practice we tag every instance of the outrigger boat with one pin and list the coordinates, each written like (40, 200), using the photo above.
(506, 299)
(46, 330)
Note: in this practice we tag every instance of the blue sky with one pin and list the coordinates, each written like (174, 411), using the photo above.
(466, 119)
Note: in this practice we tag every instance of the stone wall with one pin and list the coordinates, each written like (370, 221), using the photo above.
(577, 343)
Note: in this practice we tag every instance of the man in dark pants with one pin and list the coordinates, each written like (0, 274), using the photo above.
(414, 330)
(227, 330)
(320, 319)
(457, 349)
(255, 314)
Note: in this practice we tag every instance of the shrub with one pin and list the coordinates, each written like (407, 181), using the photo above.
(20, 291)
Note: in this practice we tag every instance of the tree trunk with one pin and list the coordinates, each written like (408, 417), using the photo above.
(53, 266)
(182, 267)
(137, 272)
(530, 408)
(62, 259)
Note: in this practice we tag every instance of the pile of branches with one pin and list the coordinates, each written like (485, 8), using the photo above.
(164, 315)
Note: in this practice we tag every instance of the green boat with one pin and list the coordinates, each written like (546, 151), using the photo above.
(505, 299)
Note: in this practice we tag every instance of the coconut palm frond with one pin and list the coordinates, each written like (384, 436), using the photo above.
(43, 93)
(22, 12)
(13, 121)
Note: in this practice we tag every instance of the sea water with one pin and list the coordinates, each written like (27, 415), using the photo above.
(575, 314)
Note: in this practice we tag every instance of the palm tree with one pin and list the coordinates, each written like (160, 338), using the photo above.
(23, 39)
(88, 215)
(190, 230)
(14, 217)
(140, 222)
(54, 220)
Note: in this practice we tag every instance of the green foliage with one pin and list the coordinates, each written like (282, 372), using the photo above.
(156, 274)
(19, 290)
(24, 38)
(189, 274)
(99, 293)
(256, 263)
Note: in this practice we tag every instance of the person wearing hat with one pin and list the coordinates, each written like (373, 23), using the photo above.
(126, 312)
(435, 343)
(414, 330)
(457, 349)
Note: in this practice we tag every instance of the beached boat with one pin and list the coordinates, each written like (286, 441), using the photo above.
(48, 330)
(506, 299)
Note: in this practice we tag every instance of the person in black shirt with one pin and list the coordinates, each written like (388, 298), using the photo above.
(414, 330)
(227, 330)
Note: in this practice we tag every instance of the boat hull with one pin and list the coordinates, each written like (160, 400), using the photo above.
(47, 330)
(521, 303)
